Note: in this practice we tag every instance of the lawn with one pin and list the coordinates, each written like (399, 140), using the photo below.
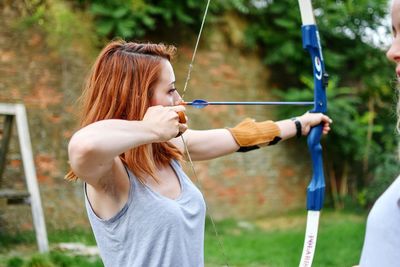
(272, 242)
(276, 242)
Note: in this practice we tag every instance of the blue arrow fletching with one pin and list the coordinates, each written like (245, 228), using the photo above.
(199, 103)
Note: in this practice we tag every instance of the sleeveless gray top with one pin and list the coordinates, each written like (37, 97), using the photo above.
(153, 230)
(382, 237)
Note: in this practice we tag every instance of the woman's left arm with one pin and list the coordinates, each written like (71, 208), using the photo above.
(209, 144)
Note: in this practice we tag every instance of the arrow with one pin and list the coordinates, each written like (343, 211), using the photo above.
(200, 103)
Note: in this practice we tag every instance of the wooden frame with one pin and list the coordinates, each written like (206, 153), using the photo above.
(18, 111)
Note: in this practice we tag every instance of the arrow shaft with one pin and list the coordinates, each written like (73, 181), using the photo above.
(233, 103)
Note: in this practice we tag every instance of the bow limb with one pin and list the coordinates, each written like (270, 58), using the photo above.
(316, 188)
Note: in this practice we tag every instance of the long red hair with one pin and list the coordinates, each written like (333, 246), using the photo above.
(120, 86)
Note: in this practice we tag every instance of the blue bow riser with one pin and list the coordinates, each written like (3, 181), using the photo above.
(316, 188)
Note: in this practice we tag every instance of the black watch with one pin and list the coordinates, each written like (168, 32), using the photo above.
(298, 127)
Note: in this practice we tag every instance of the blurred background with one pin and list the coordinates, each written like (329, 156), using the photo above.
(249, 51)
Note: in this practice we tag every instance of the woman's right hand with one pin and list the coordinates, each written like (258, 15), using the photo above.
(165, 121)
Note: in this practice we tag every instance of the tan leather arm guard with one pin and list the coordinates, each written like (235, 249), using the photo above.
(250, 134)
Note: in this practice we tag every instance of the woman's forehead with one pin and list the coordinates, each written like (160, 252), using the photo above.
(167, 72)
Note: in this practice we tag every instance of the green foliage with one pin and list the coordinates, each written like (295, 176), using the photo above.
(15, 262)
(384, 174)
(119, 19)
(39, 260)
(343, 104)
(36, 17)
(73, 235)
(54, 259)
(8, 242)
(61, 259)
(67, 31)
(15, 239)
(133, 19)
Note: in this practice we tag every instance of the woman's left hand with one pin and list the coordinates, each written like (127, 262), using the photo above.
(309, 120)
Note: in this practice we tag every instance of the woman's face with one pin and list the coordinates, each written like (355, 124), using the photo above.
(165, 93)
(393, 53)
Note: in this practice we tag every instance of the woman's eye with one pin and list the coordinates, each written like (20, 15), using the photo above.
(170, 91)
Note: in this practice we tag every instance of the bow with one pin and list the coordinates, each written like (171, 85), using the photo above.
(316, 188)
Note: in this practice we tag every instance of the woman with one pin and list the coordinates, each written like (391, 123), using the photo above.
(382, 237)
(143, 209)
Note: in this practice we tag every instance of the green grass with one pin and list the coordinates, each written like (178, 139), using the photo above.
(339, 242)
(272, 242)
(52, 259)
(19, 250)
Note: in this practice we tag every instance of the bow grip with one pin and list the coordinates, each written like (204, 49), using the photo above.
(316, 188)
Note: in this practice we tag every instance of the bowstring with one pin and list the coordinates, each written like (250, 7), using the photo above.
(219, 239)
(195, 49)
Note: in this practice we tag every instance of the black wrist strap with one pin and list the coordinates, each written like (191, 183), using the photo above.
(298, 127)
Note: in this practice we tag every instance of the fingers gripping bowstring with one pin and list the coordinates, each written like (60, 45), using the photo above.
(184, 142)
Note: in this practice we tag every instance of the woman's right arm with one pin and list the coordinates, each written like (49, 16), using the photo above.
(92, 149)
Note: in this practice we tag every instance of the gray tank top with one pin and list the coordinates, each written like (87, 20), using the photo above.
(153, 230)
(382, 237)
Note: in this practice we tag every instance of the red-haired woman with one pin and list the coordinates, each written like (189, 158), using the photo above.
(143, 209)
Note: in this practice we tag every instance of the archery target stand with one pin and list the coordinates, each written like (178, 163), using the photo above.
(17, 112)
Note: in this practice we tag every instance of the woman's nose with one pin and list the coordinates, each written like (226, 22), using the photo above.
(177, 98)
(393, 53)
